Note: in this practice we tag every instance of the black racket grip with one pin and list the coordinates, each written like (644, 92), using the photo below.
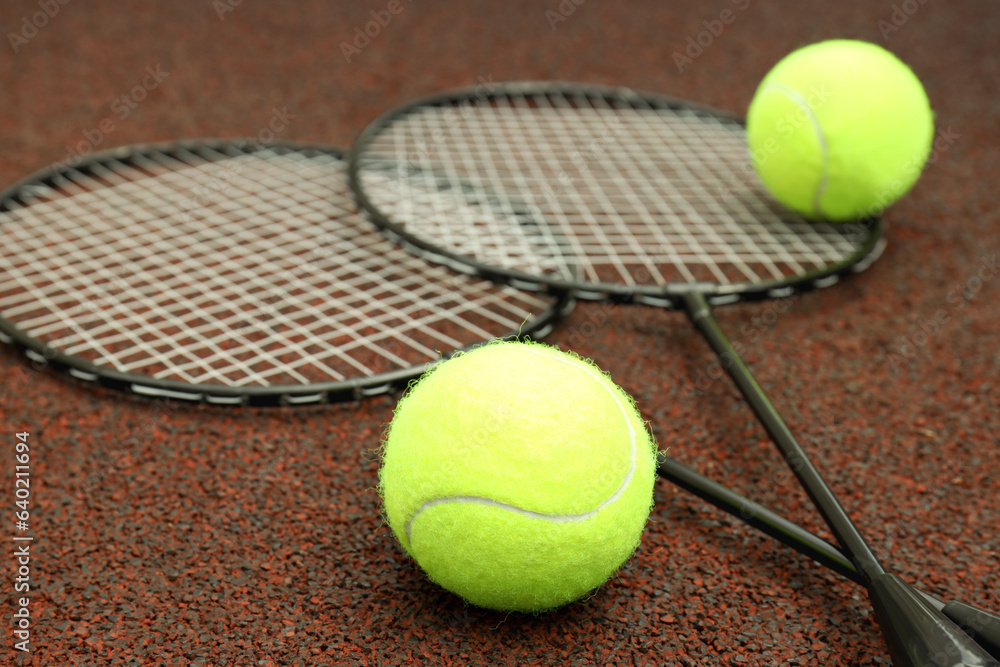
(981, 625)
(917, 634)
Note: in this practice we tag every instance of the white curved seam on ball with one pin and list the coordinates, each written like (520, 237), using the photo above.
(555, 518)
(803, 103)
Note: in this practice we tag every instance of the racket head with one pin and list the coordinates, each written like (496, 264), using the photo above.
(613, 194)
(231, 272)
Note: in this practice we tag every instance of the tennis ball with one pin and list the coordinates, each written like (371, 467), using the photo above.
(517, 476)
(839, 130)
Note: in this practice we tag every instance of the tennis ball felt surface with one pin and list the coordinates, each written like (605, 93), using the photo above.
(517, 476)
(839, 130)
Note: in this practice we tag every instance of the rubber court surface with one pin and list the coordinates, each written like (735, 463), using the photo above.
(175, 535)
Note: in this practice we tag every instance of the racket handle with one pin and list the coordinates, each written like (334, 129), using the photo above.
(981, 625)
(917, 634)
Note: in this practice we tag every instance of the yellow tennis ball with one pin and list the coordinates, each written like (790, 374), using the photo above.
(839, 130)
(517, 476)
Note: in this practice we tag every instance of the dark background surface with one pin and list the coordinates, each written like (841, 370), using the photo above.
(174, 535)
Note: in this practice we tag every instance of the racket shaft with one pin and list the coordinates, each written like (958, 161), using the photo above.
(756, 515)
(917, 634)
(983, 626)
(836, 517)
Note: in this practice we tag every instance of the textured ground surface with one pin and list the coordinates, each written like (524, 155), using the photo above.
(179, 536)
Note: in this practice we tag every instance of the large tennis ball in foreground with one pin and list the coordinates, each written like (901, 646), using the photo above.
(519, 477)
(839, 130)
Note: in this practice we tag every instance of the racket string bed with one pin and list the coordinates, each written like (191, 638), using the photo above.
(624, 194)
(211, 265)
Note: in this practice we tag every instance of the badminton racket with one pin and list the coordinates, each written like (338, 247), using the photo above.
(231, 273)
(621, 196)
